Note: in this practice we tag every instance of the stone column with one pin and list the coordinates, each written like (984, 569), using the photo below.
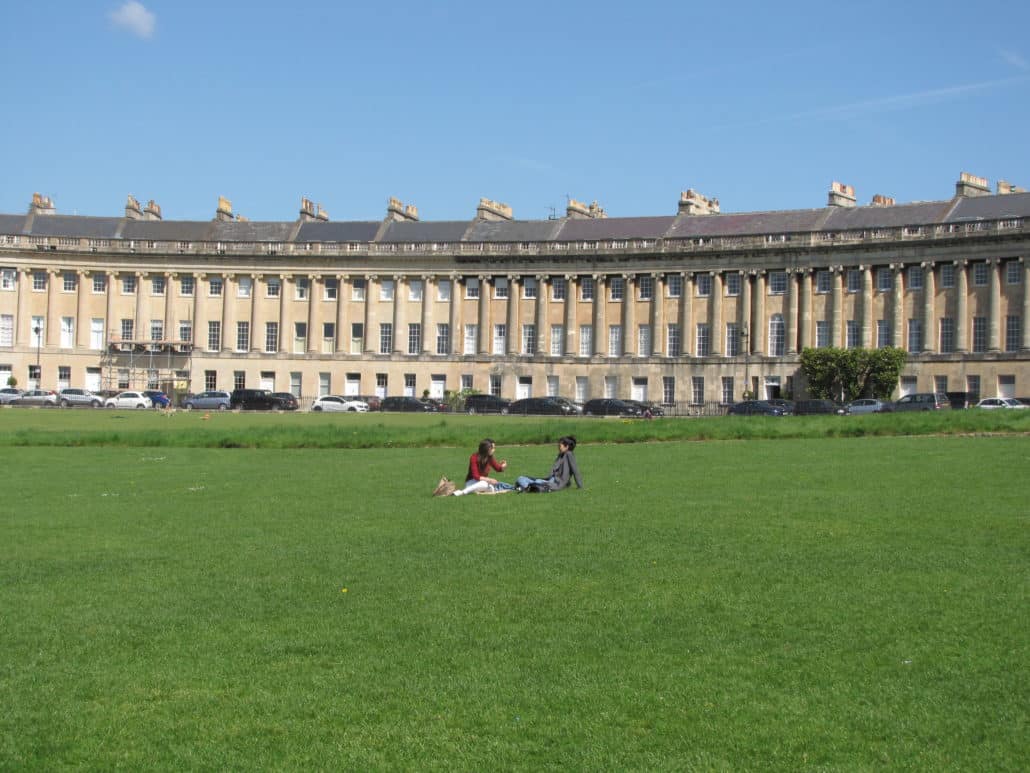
(629, 316)
(169, 313)
(929, 291)
(137, 314)
(284, 317)
(457, 334)
(994, 342)
(196, 310)
(790, 324)
(109, 323)
(228, 334)
(342, 337)
(600, 334)
(484, 318)
(1025, 344)
(398, 318)
(23, 321)
(686, 317)
(657, 315)
(256, 336)
(758, 336)
(52, 331)
(837, 326)
(868, 325)
(540, 318)
(898, 308)
(715, 314)
(370, 345)
(571, 343)
(314, 336)
(425, 318)
(961, 307)
(81, 322)
(512, 318)
(806, 310)
(744, 312)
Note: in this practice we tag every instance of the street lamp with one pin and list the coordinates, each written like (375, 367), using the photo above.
(37, 330)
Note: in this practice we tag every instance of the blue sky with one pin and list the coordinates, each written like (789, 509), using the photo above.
(759, 104)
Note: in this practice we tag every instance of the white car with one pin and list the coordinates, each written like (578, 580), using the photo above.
(8, 394)
(336, 403)
(1000, 402)
(129, 400)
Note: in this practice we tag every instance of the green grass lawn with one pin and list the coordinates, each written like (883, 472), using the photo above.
(821, 603)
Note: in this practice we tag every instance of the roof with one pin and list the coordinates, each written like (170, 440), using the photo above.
(825, 219)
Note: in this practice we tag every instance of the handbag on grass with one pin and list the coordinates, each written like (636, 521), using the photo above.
(444, 488)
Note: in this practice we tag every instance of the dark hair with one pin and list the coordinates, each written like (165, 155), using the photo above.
(569, 441)
(485, 448)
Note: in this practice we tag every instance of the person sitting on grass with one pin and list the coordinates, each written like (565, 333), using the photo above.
(563, 472)
(480, 463)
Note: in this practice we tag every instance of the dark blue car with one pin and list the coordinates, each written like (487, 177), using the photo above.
(158, 398)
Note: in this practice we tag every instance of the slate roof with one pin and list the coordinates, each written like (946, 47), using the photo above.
(322, 231)
(614, 228)
(513, 230)
(77, 226)
(992, 207)
(417, 231)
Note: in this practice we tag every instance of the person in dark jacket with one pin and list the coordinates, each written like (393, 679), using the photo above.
(563, 472)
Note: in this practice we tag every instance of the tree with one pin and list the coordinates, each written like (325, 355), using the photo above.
(846, 374)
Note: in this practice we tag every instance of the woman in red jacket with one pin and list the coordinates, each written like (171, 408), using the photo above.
(478, 480)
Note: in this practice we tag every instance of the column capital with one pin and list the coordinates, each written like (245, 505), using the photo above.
(960, 262)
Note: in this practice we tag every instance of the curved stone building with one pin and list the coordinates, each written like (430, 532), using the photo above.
(688, 309)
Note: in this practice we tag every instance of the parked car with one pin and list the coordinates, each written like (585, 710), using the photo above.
(408, 404)
(868, 405)
(542, 406)
(374, 401)
(437, 405)
(1024, 400)
(779, 402)
(288, 400)
(610, 406)
(129, 400)
(158, 398)
(755, 408)
(647, 408)
(44, 397)
(208, 401)
(921, 401)
(68, 398)
(812, 407)
(486, 403)
(339, 404)
(9, 394)
(255, 400)
(994, 403)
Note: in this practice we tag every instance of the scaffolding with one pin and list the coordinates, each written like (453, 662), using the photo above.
(131, 363)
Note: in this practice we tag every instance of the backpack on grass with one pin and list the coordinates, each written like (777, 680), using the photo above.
(444, 488)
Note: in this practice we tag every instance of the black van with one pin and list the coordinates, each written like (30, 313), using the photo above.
(255, 400)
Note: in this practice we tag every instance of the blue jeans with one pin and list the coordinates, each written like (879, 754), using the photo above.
(523, 481)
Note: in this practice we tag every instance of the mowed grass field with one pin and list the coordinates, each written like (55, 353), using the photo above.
(795, 603)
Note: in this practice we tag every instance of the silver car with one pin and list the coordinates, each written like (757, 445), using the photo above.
(9, 394)
(993, 403)
(44, 397)
(68, 398)
(129, 400)
(868, 405)
(207, 401)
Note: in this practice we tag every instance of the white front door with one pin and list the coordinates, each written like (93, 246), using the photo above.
(267, 381)
(524, 387)
(437, 386)
(93, 379)
(639, 390)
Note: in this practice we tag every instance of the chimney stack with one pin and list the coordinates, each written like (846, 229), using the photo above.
(133, 211)
(42, 205)
(880, 200)
(693, 203)
(971, 185)
(578, 210)
(841, 195)
(396, 210)
(1005, 188)
(224, 212)
(153, 211)
(493, 210)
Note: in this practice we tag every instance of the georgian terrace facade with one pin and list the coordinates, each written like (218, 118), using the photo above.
(692, 308)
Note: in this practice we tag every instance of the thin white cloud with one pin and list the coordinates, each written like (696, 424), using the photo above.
(885, 104)
(135, 18)
(1014, 59)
